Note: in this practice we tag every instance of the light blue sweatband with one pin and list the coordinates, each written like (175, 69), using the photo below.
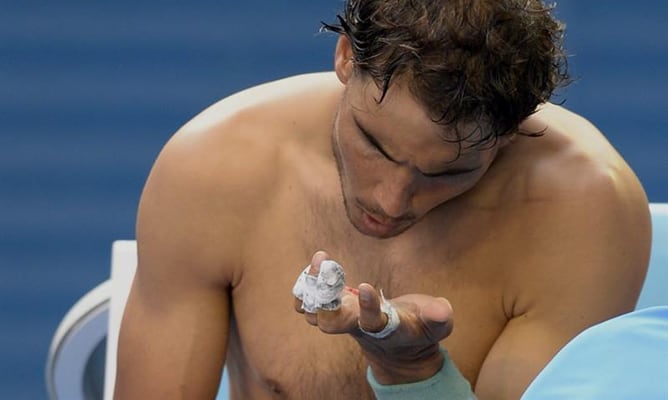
(447, 384)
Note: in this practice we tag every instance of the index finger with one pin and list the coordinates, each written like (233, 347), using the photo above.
(372, 319)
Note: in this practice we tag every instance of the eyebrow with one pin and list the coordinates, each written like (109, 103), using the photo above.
(448, 171)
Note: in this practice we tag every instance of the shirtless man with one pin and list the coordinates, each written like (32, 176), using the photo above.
(439, 183)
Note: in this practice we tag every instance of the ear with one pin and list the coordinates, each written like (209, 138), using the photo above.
(343, 59)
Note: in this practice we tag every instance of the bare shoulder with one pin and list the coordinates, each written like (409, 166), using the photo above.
(217, 174)
(574, 158)
(589, 212)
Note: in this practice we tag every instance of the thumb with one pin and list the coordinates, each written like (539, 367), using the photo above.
(371, 318)
(436, 315)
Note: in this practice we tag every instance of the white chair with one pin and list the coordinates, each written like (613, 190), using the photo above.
(75, 366)
(123, 267)
(77, 357)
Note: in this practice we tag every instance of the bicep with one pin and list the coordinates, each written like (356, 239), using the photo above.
(173, 340)
(522, 350)
(531, 339)
(582, 270)
(173, 336)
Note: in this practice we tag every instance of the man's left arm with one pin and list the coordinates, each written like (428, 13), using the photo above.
(585, 263)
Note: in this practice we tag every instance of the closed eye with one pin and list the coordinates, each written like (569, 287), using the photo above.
(451, 173)
(372, 141)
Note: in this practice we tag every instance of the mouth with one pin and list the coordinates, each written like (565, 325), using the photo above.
(380, 227)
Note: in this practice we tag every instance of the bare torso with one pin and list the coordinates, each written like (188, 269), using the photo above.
(273, 351)
(456, 253)
(479, 250)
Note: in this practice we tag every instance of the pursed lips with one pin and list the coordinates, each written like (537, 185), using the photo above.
(384, 222)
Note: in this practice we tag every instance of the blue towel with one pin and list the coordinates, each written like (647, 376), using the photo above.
(623, 358)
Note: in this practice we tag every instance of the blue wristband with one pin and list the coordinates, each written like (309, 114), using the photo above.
(447, 384)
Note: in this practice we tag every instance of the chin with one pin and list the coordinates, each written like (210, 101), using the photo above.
(383, 236)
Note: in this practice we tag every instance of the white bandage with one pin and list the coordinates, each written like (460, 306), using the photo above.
(322, 291)
(392, 319)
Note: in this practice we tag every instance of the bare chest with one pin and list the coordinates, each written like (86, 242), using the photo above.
(274, 353)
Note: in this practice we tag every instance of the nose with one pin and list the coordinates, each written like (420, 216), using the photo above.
(395, 190)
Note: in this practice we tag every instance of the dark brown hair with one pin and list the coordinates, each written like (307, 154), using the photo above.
(490, 62)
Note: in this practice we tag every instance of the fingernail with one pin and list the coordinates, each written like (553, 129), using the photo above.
(365, 295)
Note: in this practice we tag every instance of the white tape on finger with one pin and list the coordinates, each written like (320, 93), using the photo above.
(392, 320)
(322, 291)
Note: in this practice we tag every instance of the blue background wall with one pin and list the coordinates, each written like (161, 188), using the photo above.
(90, 91)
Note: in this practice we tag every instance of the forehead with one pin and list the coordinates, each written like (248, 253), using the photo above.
(401, 119)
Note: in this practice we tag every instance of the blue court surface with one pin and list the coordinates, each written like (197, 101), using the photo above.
(90, 91)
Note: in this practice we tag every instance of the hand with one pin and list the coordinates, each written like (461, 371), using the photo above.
(410, 353)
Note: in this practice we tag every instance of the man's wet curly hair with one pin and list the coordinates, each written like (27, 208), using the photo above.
(490, 62)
